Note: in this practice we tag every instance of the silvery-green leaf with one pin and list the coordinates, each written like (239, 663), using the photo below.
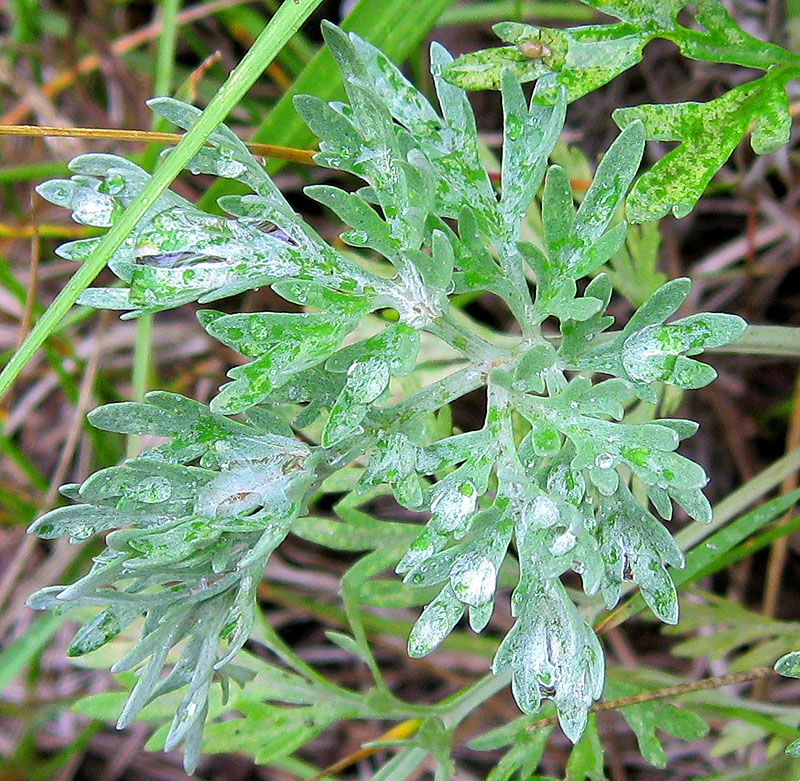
(530, 133)
(283, 343)
(341, 146)
(789, 665)
(366, 381)
(89, 206)
(102, 628)
(708, 133)
(454, 153)
(553, 654)
(407, 105)
(397, 344)
(367, 229)
(435, 623)
(579, 59)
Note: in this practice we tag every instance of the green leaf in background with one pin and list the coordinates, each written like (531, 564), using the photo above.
(646, 718)
(526, 747)
(578, 60)
(708, 133)
(634, 269)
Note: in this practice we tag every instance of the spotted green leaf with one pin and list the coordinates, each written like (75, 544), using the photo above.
(708, 133)
(578, 60)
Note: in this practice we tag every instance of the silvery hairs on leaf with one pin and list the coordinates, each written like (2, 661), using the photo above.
(548, 475)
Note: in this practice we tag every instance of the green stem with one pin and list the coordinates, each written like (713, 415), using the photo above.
(463, 703)
(283, 25)
(500, 10)
(264, 633)
(463, 339)
(431, 398)
(457, 642)
(400, 767)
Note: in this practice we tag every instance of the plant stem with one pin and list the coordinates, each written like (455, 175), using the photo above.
(463, 703)
(430, 398)
(499, 10)
(264, 633)
(458, 336)
(164, 69)
(400, 767)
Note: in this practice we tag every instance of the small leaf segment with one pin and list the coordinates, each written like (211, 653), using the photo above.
(555, 478)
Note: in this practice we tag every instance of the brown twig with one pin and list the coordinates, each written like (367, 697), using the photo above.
(149, 137)
(196, 76)
(667, 693)
(777, 556)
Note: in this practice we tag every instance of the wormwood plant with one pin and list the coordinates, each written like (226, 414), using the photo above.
(568, 472)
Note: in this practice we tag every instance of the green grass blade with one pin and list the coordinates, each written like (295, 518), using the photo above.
(24, 648)
(165, 55)
(740, 499)
(23, 173)
(244, 22)
(703, 556)
(163, 71)
(283, 25)
(767, 723)
(751, 546)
